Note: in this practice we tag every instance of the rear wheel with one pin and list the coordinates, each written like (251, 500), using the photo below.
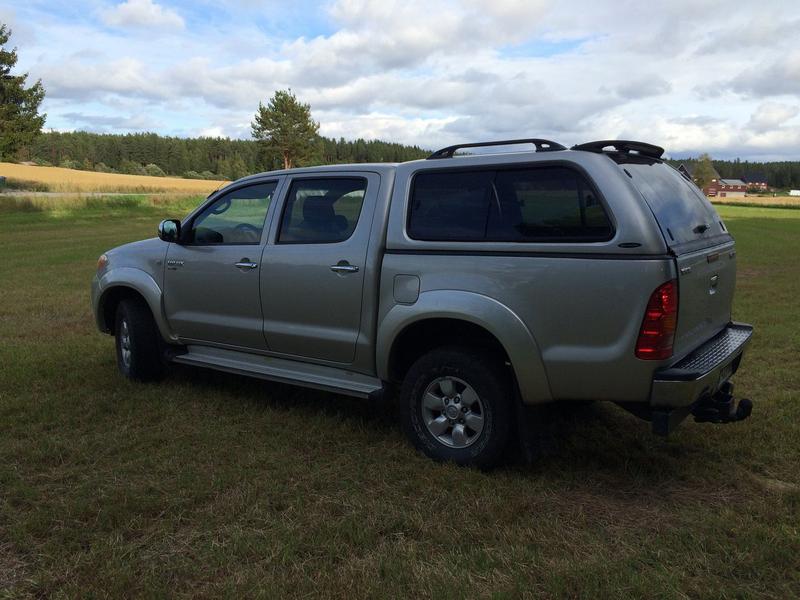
(137, 341)
(456, 405)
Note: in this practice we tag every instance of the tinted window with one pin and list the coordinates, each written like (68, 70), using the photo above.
(236, 217)
(678, 205)
(519, 205)
(321, 211)
(450, 206)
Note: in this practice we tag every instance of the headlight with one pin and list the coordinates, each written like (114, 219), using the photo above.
(102, 262)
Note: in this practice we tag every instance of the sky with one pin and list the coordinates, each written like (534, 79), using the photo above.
(721, 77)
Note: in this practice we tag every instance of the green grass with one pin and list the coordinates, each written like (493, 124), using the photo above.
(213, 485)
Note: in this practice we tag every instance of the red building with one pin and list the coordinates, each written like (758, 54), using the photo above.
(725, 188)
(756, 181)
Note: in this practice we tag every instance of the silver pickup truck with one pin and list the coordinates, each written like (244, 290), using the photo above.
(472, 284)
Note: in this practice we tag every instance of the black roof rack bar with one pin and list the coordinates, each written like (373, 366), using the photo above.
(625, 146)
(541, 146)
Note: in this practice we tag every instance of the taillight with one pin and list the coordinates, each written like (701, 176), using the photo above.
(658, 327)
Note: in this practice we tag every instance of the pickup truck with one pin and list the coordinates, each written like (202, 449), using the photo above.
(472, 284)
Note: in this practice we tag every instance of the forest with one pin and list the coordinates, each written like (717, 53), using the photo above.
(202, 158)
(780, 175)
(212, 158)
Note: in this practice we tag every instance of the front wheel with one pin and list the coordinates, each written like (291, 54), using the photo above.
(137, 341)
(456, 405)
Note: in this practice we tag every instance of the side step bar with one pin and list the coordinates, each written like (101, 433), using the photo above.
(282, 370)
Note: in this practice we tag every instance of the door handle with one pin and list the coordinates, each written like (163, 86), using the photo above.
(245, 264)
(344, 268)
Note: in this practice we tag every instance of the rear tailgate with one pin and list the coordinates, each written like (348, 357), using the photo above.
(704, 251)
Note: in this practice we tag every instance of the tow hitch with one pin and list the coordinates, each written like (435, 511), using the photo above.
(721, 407)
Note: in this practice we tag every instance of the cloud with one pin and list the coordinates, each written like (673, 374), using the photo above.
(774, 77)
(643, 87)
(77, 80)
(771, 115)
(102, 123)
(690, 75)
(141, 14)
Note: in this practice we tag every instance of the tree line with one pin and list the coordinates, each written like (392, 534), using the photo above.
(149, 153)
(779, 175)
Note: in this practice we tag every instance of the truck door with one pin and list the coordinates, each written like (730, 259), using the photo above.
(312, 277)
(211, 281)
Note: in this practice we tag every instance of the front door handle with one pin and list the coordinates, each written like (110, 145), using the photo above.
(344, 267)
(245, 264)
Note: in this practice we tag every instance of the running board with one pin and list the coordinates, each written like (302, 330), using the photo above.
(282, 370)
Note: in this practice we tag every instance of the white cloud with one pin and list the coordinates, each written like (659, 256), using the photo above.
(81, 81)
(691, 75)
(771, 77)
(141, 13)
(772, 115)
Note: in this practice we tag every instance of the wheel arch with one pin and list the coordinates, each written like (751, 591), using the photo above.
(477, 319)
(115, 286)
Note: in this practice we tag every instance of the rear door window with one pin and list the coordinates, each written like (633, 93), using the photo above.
(536, 204)
(322, 211)
(683, 213)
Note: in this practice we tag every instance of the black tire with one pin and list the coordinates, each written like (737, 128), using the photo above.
(490, 380)
(143, 361)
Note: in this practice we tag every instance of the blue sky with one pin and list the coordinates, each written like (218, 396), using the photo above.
(692, 76)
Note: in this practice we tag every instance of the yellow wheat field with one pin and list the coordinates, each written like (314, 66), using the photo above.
(56, 179)
(760, 201)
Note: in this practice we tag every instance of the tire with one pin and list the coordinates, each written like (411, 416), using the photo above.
(477, 426)
(137, 341)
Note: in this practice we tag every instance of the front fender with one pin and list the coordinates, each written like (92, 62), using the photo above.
(137, 280)
(496, 318)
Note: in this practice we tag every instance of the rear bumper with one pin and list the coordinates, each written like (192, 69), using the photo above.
(702, 375)
(703, 371)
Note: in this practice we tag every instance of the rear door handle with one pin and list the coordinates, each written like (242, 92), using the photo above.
(245, 264)
(344, 268)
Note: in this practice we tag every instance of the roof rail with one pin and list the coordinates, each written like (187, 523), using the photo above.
(541, 146)
(625, 146)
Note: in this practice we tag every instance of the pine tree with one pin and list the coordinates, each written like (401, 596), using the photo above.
(285, 127)
(20, 121)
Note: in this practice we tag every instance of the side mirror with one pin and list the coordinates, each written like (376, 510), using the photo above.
(169, 230)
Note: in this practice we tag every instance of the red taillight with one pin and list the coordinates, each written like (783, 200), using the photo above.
(658, 327)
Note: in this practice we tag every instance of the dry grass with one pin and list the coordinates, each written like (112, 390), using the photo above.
(68, 205)
(56, 179)
(769, 201)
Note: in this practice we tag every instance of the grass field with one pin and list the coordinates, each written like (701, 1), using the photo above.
(214, 485)
(56, 179)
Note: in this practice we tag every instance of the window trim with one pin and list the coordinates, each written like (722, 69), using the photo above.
(285, 204)
(188, 224)
(515, 167)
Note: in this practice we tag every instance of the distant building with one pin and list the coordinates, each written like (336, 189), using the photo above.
(756, 181)
(731, 188)
(727, 188)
